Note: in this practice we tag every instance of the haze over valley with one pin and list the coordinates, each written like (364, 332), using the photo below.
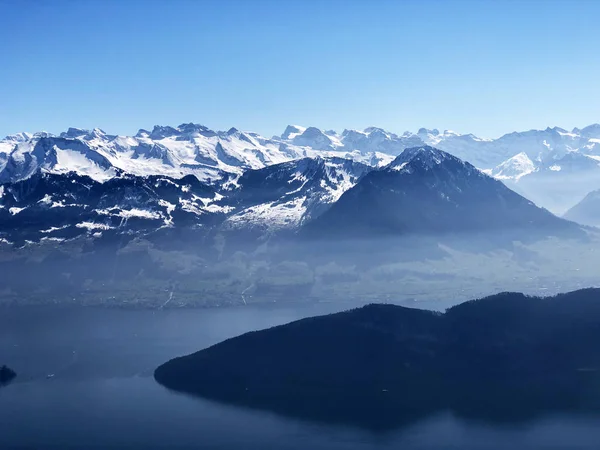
(183, 216)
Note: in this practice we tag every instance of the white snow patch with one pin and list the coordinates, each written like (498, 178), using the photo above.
(73, 161)
(219, 209)
(93, 226)
(271, 216)
(140, 213)
(52, 229)
(190, 206)
(170, 207)
(52, 239)
(47, 200)
(129, 213)
(399, 167)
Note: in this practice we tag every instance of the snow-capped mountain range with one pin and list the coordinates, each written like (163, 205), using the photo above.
(192, 149)
(54, 187)
(287, 195)
(554, 167)
(188, 149)
(426, 191)
(59, 206)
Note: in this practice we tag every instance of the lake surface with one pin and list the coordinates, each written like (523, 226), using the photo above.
(102, 393)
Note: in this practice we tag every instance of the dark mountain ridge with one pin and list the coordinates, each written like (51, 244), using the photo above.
(380, 362)
(428, 191)
(66, 206)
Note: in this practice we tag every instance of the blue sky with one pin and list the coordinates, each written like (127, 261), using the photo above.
(486, 67)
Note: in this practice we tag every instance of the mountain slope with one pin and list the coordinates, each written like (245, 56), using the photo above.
(427, 191)
(55, 207)
(550, 167)
(284, 196)
(539, 146)
(377, 364)
(557, 182)
(587, 211)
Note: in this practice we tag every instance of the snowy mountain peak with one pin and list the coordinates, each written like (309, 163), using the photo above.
(291, 131)
(315, 138)
(377, 131)
(591, 131)
(188, 149)
(428, 191)
(185, 130)
(142, 133)
(195, 129)
(353, 134)
(425, 157)
(573, 162)
(550, 129)
(425, 132)
(79, 133)
(283, 196)
(194, 149)
(312, 133)
(514, 168)
(161, 132)
(18, 137)
(74, 133)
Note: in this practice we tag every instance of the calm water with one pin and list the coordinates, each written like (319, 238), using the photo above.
(103, 394)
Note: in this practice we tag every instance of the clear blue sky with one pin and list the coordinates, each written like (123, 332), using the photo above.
(486, 67)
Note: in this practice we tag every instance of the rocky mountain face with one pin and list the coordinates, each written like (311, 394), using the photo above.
(539, 146)
(49, 207)
(87, 182)
(540, 164)
(428, 191)
(222, 217)
(189, 149)
(287, 195)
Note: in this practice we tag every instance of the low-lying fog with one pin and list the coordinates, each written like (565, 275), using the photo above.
(177, 273)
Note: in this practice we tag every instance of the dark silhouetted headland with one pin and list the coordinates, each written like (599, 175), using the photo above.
(504, 355)
(6, 375)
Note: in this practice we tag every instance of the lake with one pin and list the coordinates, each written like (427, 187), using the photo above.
(102, 393)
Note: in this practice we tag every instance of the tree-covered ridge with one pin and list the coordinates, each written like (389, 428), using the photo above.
(502, 352)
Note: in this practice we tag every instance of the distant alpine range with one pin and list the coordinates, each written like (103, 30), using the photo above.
(88, 182)
(181, 216)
